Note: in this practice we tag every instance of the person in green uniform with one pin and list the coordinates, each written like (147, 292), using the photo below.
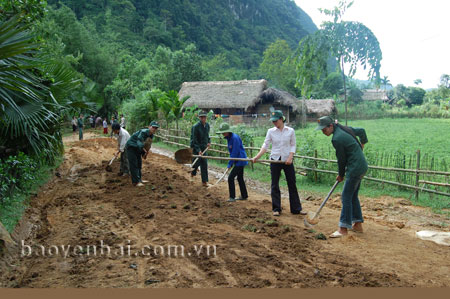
(136, 151)
(351, 164)
(200, 141)
(80, 127)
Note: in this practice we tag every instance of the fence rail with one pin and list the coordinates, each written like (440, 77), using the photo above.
(166, 137)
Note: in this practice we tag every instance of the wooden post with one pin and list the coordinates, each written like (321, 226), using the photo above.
(315, 166)
(417, 174)
(251, 154)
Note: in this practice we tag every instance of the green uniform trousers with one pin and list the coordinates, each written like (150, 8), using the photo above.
(135, 163)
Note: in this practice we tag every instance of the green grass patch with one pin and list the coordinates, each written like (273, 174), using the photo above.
(13, 207)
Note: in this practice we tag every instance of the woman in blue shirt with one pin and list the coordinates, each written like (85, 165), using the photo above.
(236, 149)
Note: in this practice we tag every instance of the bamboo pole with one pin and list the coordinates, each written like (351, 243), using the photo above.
(417, 174)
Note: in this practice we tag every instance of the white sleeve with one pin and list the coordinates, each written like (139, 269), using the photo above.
(293, 142)
(268, 140)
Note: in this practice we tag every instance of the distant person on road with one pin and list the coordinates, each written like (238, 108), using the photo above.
(283, 143)
(200, 141)
(123, 122)
(80, 127)
(121, 149)
(113, 121)
(351, 163)
(98, 122)
(136, 151)
(74, 124)
(236, 149)
(105, 126)
(91, 121)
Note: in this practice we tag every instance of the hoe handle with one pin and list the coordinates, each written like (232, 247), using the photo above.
(326, 199)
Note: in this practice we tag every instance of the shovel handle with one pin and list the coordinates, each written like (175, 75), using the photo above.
(198, 156)
(237, 159)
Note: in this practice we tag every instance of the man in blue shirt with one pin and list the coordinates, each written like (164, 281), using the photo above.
(236, 149)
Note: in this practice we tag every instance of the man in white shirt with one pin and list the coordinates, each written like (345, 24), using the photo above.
(122, 141)
(283, 143)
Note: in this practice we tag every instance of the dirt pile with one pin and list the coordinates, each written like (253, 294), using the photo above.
(214, 243)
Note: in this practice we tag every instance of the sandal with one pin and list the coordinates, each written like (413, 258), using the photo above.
(336, 234)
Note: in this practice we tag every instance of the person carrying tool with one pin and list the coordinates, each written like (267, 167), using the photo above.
(236, 149)
(136, 151)
(200, 141)
(122, 141)
(80, 127)
(283, 143)
(351, 162)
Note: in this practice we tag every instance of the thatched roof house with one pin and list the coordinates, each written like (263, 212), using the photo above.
(249, 99)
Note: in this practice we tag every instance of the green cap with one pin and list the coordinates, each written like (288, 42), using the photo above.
(154, 124)
(324, 122)
(276, 115)
(202, 113)
(224, 128)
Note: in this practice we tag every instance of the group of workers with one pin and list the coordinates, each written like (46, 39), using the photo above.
(352, 164)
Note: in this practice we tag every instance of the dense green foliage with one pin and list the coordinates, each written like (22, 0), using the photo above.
(130, 46)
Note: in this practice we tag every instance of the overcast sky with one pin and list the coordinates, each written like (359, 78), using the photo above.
(414, 35)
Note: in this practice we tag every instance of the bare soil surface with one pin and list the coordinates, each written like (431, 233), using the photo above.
(84, 205)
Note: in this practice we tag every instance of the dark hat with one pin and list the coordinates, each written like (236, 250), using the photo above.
(324, 122)
(224, 128)
(202, 113)
(154, 124)
(115, 126)
(276, 115)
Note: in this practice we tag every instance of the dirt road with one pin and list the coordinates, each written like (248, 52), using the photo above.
(84, 205)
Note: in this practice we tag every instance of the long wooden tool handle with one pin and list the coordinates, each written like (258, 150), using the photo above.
(237, 159)
(326, 199)
(223, 175)
(198, 156)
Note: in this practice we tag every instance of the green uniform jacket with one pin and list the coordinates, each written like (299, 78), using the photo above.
(200, 137)
(80, 123)
(138, 139)
(350, 157)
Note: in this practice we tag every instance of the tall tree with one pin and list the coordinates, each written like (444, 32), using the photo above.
(349, 42)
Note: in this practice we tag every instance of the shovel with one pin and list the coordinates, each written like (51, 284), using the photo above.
(184, 156)
(108, 167)
(195, 161)
(221, 178)
(312, 219)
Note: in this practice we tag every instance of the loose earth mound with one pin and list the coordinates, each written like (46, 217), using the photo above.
(175, 233)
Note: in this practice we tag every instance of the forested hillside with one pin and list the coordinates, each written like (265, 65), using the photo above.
(125, 47)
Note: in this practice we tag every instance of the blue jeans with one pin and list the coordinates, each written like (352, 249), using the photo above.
(351, 208)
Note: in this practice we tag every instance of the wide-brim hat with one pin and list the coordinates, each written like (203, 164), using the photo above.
(154, 124)
(324, 122)
(276, 115)
(224, 128)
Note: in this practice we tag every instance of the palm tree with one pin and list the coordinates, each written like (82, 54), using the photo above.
(32, 104)
(386, 82)
(177, 104)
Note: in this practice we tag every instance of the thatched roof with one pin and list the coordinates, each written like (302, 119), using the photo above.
(223, 94)
(281, 97)
(246, 94)
(320, 108)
